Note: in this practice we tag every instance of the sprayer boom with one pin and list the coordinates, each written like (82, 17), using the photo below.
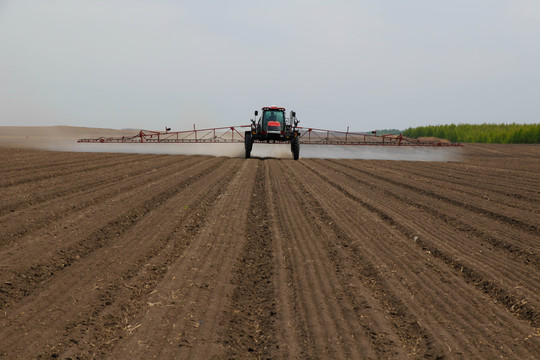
(272, 127)
(236, 134)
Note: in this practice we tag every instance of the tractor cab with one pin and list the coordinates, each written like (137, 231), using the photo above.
(272, 122)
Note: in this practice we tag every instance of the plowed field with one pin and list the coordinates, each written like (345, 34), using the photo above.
(127, 256)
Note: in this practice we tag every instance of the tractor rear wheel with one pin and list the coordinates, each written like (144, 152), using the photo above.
(248, 143)
(295, 148)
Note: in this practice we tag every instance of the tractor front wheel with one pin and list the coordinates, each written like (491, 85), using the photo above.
(248, 143)
(295, 148)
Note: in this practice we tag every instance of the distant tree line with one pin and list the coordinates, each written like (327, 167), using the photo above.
(484, 133)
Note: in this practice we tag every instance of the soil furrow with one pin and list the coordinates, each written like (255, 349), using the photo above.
(515, 302)
(531, 228)
(517, 250)
(417, 341)
(468, 174)
(507, 195)
(249, 322)
(40, 217)
(43, 191)
(180, 308)
(139, 291)
(322, 337)
(293, 333)
(464, 321)
(81, 167)
(74, 159)
(22, 282)
(373, 335)
(124, 270)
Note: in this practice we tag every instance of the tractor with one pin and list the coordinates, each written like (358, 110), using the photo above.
(273, 127)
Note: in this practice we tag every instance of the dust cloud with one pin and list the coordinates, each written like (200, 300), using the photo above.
(375, 152)
(282, 151)
(228, 150)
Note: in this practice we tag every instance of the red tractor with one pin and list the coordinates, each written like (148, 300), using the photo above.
(273, 127)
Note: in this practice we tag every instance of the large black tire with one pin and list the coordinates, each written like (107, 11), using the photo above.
(248, 144)
(295, 148)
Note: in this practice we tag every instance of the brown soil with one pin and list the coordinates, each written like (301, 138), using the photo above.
(159, 256)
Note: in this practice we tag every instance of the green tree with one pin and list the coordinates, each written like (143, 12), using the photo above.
(483, 133)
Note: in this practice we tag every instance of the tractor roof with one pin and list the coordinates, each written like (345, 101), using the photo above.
(273, 108)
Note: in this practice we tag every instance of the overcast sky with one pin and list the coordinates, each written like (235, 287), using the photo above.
(365, 64)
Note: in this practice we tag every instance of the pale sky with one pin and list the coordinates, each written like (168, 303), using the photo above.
(370, 64)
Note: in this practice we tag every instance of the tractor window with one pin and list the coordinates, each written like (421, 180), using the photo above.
(274, 116)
